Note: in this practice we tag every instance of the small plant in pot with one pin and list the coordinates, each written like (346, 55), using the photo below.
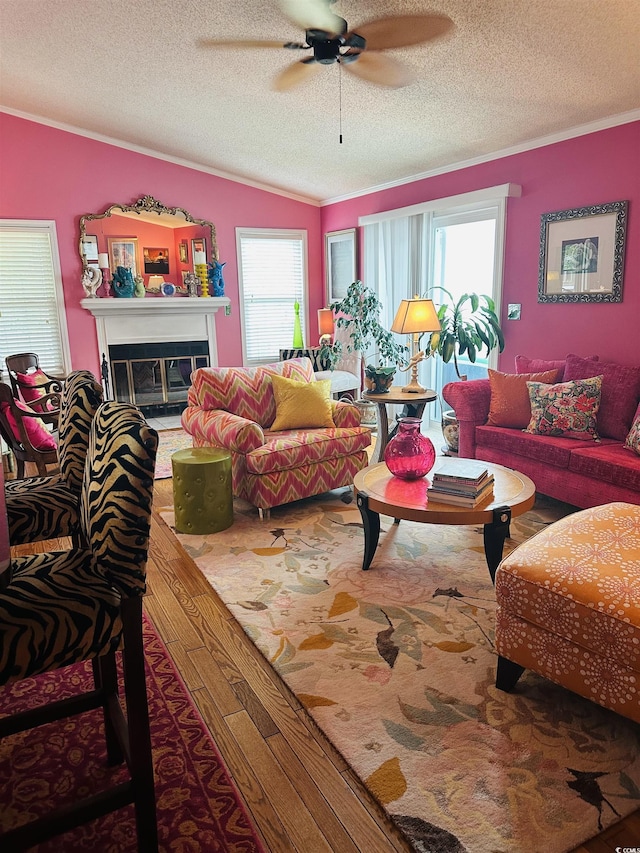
(359, 312)
(469, 325)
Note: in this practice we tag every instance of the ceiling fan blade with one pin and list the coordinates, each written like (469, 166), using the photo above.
(295, 74)
(380, 69)
(236, 43)
(312, 15)
(403, 30)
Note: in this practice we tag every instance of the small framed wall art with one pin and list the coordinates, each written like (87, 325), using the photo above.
(582, 254)
(156, 261)
(340, 262)
(123, 252)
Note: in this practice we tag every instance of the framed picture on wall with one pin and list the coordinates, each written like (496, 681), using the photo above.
(184, 251)
(123, 252)
(582, 254)
(340, 262)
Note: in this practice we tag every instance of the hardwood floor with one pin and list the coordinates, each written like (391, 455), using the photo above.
(301, 795)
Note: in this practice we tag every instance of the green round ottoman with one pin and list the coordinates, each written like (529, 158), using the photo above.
(202, 496)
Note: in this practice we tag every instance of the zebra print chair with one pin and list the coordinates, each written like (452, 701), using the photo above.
(86, 604)
(48, 507)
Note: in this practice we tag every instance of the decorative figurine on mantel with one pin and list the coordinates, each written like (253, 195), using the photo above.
(123, 283)
(91, 281)
(139, 287)
(191, 282)
(215, 277)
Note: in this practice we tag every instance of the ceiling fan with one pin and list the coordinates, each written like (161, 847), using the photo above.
(331, 41)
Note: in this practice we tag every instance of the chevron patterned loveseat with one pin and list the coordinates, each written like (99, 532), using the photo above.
(236, 407)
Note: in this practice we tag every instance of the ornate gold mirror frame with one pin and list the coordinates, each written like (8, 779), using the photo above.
(149, 210)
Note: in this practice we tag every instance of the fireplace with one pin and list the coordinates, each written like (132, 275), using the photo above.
(149, 347)
(156, 377)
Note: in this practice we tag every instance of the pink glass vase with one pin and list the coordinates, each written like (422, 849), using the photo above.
(409, 455)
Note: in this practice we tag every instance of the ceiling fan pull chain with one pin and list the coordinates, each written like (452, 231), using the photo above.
(340, 97)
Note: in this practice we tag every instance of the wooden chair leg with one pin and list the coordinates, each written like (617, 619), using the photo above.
(105, 678)
(135, 688)
(507, 674)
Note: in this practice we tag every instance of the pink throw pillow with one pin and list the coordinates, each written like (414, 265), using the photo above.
(30, 385)
(536, 365)
(620, 392)
(36, 432)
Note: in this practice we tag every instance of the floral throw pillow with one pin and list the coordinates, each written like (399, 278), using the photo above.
(632, 441)
(568, 409)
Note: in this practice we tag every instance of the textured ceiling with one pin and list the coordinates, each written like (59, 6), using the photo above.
(132, 70)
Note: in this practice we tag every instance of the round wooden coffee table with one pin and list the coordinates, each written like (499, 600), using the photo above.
(379, 492)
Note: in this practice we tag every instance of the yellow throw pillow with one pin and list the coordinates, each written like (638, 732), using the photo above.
(301, 405)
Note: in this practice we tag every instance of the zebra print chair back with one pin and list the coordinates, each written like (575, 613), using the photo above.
(48, 507)
(80, 399)
(117, 494)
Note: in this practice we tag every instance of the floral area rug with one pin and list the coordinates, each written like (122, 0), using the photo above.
(397, 667)
(198, 807)
(169, 441)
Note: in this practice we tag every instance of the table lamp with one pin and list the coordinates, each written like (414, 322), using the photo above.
(325, 326)
(415, 316)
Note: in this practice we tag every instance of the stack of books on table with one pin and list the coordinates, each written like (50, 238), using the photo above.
(469, 486)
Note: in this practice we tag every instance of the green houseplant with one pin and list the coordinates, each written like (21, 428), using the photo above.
(359, 312)
(469, 325)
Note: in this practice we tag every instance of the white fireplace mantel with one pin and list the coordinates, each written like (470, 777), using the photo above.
(156, 320)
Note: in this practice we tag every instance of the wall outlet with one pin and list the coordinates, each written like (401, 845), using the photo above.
(227, 310)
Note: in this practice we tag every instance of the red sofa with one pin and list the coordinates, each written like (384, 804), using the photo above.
(582, 473)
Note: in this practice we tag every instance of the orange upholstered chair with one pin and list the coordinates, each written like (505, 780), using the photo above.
(569, 607)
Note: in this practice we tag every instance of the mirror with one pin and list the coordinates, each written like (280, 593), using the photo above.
(159, 244)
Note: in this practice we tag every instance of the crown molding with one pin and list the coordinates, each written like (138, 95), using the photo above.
(541, 142)
(148, 152)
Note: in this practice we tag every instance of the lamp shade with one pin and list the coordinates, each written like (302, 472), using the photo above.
(325, 321)
(103, 260)
(155, 280)
(415, 316)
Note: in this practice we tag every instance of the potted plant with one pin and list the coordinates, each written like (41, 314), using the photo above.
(469, 325)
(359, 311)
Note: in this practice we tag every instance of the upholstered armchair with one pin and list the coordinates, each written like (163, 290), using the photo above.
(48, 507)
(63, 607)
(274, 463)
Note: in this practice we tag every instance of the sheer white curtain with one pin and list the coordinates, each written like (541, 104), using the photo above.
(394, 264)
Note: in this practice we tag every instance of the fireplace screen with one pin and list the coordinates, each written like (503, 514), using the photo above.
(156, 377)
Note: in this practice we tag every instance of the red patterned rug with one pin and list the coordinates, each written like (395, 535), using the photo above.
(198, 807)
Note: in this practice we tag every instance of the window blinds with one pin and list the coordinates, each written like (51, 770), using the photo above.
(272, 278)
(29, 311)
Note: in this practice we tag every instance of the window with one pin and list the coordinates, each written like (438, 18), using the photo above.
(456, 243)
(32, 314)
(272, 269)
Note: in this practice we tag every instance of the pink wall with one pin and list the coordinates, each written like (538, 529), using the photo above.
(51, 174)
(47, 173)
(594, 169)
